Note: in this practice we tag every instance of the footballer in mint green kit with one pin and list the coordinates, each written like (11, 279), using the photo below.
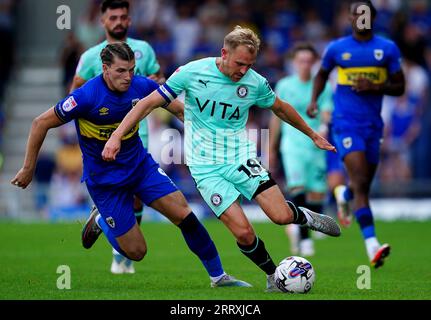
(219, 93)
(116, 20)
(210, 115)
(304, 165)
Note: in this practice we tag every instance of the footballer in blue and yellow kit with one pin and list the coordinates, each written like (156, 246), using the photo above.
(369, 67)
(356, 119)
(97, 112)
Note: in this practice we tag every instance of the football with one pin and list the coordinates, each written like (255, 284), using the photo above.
(295, 275)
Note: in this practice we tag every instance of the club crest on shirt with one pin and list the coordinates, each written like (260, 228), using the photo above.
(138, 55)
(242, 91)
(110, 221)
(347, 142)
(378, 54)
(216, 199)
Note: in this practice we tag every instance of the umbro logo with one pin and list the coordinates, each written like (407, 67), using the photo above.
(104, 111)
(203, 82)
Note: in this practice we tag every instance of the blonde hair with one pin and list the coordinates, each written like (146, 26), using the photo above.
(242, 37)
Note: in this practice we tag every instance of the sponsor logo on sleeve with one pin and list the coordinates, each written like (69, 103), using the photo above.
(69, 104)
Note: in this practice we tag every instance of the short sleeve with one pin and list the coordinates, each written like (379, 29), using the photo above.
(266, 96)
(328, 60)
(73, 106)
(85, 68)
(176, 84)
(394, 61)
(325, 101)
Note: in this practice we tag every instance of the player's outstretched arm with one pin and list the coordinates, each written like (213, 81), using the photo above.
(176, 107)
(39, 128)
(142, 109)
(319, 84)
(287, 113)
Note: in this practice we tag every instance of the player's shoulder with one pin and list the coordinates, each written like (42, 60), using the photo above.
(341, 43)
(256, 78)
(143, 84)
(95, 50)
(197, 66)
(141, 80)
(385, 42)
(137, 42)
(200, 63)
(92, 87)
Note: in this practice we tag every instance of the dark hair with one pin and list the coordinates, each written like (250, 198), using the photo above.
(367, 3)
(120, 50)
(114, 4)
(303, 46)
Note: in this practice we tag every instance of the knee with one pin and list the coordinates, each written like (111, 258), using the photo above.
(246, 236)
(283, 217)
(137, 254)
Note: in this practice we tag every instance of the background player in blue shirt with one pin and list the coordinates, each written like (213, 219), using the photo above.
(98, 107)
(368, 68)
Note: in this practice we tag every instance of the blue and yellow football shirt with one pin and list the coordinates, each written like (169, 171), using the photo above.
(375, 60)
(97, 112)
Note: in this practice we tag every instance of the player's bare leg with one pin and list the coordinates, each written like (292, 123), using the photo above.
(121, 264)
(133, 243)
(249, 244)
(281, 212)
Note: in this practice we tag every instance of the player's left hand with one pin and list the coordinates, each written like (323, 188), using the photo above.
(322, 143)
(363, 85)
(111, 149)
(22, 178)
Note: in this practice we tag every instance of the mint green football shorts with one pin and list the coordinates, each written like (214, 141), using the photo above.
(222, 185)
(305, 168)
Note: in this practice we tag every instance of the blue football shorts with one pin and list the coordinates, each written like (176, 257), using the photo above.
(115, 204)
(358, 138)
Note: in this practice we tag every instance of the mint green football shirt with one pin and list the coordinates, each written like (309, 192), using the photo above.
(298, 94)
(216, 111)
(90, 66)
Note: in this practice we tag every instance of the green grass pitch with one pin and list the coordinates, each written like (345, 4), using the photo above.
(31, 253)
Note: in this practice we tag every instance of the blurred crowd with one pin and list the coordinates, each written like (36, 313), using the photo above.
(180, 31)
